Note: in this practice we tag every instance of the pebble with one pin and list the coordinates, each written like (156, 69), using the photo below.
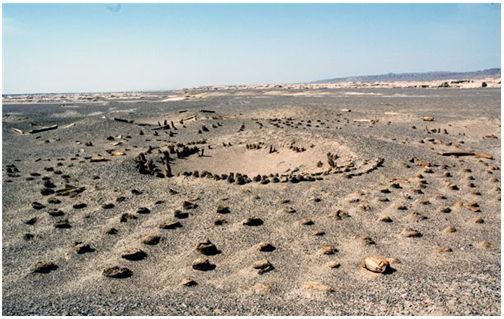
(117, 272)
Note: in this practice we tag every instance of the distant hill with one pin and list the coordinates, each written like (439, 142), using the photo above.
(427, 76)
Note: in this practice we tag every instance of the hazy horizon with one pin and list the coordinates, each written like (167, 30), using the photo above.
(57, 48)
(238, 84)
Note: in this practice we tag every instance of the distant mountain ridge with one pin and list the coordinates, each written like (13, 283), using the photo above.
(424, 76)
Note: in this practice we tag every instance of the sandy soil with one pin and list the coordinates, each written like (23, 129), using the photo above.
(72, 225)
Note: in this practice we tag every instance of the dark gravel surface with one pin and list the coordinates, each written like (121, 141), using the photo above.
(465, 281)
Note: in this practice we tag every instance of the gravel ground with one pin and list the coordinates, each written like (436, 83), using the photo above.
(345, 211)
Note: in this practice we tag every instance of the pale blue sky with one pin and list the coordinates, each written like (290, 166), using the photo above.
(102, 47)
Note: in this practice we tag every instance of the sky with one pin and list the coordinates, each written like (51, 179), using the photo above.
(105, 47)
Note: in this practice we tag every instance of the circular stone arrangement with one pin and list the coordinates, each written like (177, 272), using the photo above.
(276, 162)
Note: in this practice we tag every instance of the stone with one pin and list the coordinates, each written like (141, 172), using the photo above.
(143, 210)
(43, 267)
(79, 206)
(53, 200)
(328, 250)
(180, 215)
(252, 222)
(84, 248)
(207, 248)
(134, 255)
(306, 222)
(126, 216)
(377, 264)
(449, 229)
(287, 210)
(188, 282)
(63, 224)
(444, 250)
(37, 205)
(171, 225)
(223, 209)
(117, 272)
(186, 205)
(220, 222)
(151, 239)
(262, 266)
(265, 247)
(410, 232)
(202, 264)
(478, 220)
(385, 219)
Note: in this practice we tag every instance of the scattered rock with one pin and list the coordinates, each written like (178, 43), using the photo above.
(328, 250)
(376, 264)
(333, 264)
(42, 267)
(188, 282)
(53, 200)
(112, 231)
(287, 210)
(385, 219)
(186, 205)
(63, 224)
(220, 222)
(410, 232)
(37, 205)
(126, 216)
(444, 250)
(262, 266)
(207, 248)
(366, 240)
(449, 229)
(180, 215)
(117, 272)
(84, 248)
(143, 210)
(306, 222)
(252, 222)
(202, 264)
(478, 220)
(134, 255)
(31, 221)
(171, 225)
(223, 209)
(151, 239)
(266, 247)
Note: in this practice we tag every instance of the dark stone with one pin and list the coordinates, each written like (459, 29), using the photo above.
(117, 272)
(207, 248)
(79, 206)
(180, 214)
(134, 255)
(84, 248)
(143, 210)
(44, 267)
(223, 210)
(253, 222)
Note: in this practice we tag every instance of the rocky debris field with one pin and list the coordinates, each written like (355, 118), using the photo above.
(360, 202)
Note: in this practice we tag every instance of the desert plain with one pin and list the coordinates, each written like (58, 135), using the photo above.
(253, 201)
